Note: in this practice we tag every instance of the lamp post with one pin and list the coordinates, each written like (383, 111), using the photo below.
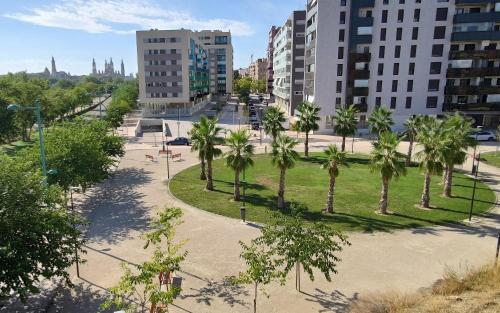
(71, 190)
(168, 164)
(243, 208)
(39, 122)
(178, 121)
(474, 154)
(474, 187)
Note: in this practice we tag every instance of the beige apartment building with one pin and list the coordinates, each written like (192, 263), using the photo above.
(258, 69)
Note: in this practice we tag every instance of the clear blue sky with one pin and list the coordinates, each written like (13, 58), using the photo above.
(75, 31)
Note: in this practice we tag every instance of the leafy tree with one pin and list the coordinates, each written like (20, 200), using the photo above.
(239, 156)
(243, 86)
(296, 244)
(334, 159)
(259, 86)
(308, 121)
(411, 125)
(431, 138)
(386, 159)
(454, 151)
(262, 269)
(346, 123)
(115, 113)
(143, 285)
(284, 157)
(380, 120)
(209, 132)
(37, 233)
(273, 121)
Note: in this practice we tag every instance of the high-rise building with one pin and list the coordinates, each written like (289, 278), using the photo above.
(413, 57)
(258, 69)
(288, 62)
(174, 72)
(220, 48)
(270, 57)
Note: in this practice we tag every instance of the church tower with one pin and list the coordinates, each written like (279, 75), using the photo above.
(54, 70)
(94, 68)
(111, 66)
(123, 69)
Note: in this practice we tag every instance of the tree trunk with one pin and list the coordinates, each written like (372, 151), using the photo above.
(383, 195)
(255, 299)
(408, 156)
(237, 185)
(210, 183)
(448, 181)
(343, 143)
(306, 145)
(297, 276)
(203, 175)
(425, 193)
(329, 202)
(281, 190)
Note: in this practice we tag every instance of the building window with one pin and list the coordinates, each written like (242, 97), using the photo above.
(343, 3)
(341, 53)
(401, 1)
(378, 102)
(399, 33)
(381, 52)
(397, 51)
(380, 70)
(379, 86)
(413, 51)
(338, 101)
(435, 68)
(342, 17)
(414, 33)
(395, 69)
(416, 15)
(393, 103)
(411, 69)
(385, 1)
(384, 16)
(432, 102)
(339, 86)
(408, 103)
(433, 85)
(409, 86)
(401, 14)
(340, 69)
(341, 35)
(394, 86)
(441, 14)
(439, 32)
(383, 32)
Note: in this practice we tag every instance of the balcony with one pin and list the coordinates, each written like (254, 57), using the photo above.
(476, 17)
(359, 57)
(364, 21)
(491, 106)
(474, 54)
(457, 2)
(471, 90)
(361, 107)
(360, 91)
(364, 3)
(472, 72)
(475, 35)
(359, 74)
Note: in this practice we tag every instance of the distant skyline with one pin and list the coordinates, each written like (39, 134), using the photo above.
(75, 31)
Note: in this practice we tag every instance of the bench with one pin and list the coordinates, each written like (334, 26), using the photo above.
(150, 157)
(177, 155)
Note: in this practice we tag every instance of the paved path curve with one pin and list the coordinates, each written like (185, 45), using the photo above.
(120, 209)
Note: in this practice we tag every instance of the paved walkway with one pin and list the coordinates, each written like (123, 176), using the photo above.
(120, 208)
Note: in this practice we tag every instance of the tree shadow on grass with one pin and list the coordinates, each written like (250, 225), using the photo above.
(335, 301)
(351, 159)
(253, 186)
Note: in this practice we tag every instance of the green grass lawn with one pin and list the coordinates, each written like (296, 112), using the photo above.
(12, 148)
(356, 195)
(491, 158)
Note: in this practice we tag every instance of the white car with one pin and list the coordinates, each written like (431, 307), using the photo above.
(483, 136)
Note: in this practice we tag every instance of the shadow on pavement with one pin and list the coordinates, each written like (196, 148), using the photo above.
(224, 290)
(331, 302)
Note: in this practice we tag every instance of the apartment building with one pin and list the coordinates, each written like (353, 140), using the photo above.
(270, 57)
(178, 71)
(220, 48)
(288, 62)
(412, 57)
(258, 69)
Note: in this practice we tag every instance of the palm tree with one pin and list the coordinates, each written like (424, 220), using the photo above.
(346, 123)
(197, 144)
(334, 158)
(433, 140)
(284, 157)
(308, 121)
(411, 126)
(209, 133)
(273, 121)
(386, 159)
(454, 150)
(239, 156)
(380, 120)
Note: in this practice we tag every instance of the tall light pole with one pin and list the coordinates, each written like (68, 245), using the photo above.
(71, 190)
(474, 187)
(39, 122)
(474, 154)
(178, 121)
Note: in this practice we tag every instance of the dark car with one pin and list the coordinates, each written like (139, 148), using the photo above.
(180, 141)
(255, 126)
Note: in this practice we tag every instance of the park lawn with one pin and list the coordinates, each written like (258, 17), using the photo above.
(12, 148)
(357, 193)
(491, 158)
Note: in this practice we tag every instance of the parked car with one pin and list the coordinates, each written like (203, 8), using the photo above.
(255, 126)
(483, 136)
(179, 141)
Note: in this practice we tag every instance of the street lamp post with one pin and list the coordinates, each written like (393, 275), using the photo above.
(474, 154)
(178, 121)
(71, 190)
(474, 187)
(243, 208)
(39, 122)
